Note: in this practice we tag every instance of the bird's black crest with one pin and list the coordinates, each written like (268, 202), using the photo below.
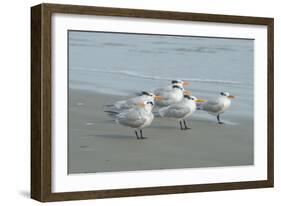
(145, 93)
(176, 86)
(187, 96)
(175, 81)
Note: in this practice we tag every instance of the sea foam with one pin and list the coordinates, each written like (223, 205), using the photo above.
(151, 77)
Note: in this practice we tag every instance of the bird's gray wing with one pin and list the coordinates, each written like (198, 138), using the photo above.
(120, 104)
(158, 91)
(132, 118)
(175, 111)
(161, 91)
(131, 102)
(126, 104)
(213, 106)
(167, 96)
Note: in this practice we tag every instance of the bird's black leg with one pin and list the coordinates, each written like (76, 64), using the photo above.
(137, 134)
(142, 137)
(181, 125)
(218, 118)
(185, 125)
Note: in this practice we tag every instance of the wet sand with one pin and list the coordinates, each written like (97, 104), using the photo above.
(97, 144)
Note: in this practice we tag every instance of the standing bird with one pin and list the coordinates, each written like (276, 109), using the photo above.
(180, 110)
(217, 106)
(137, 117)
(132, 102)
(171, 94)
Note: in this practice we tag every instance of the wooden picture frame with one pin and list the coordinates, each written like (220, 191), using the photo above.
(41, 116)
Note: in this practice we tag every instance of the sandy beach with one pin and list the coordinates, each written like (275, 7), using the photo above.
(97, 144)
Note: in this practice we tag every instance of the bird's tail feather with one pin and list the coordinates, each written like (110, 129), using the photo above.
(111, 113)
(109, 106)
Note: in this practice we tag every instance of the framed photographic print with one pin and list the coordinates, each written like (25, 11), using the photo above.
(130, 102)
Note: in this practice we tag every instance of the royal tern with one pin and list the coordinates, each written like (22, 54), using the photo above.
(217, 106)
(137, 117)
(170, 94)
(129, 103)
(180, 110)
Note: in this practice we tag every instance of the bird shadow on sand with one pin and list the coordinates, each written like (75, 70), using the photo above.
(163, 127)
(109, 121)
(213, 121)
(116, 136)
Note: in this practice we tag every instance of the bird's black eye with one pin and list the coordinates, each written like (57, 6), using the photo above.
(223, 94)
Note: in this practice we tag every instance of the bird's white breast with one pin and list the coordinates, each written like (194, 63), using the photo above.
(192, 106)
(226, 103)
(148, 116)
(177, 95)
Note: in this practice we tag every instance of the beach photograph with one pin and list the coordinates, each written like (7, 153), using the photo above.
(153, 102)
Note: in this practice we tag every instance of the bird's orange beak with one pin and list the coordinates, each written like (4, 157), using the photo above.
(231, 97)
(159, 98)
(187, 92)
(185, 83)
